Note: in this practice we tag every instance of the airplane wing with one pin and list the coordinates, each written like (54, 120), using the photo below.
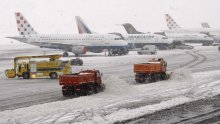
(21, 39)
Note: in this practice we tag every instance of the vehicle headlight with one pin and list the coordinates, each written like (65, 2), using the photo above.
(33, 76)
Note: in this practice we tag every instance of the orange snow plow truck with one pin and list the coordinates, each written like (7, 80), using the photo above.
(83, 83)
(152, 71)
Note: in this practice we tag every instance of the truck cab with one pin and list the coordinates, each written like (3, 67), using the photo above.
(22, 70)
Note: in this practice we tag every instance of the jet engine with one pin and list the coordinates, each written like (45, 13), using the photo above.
(79, 50)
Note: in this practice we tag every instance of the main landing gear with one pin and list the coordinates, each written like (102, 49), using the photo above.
(119, 52)
(65, 54)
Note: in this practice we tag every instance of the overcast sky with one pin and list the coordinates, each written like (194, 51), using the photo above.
(102, 16)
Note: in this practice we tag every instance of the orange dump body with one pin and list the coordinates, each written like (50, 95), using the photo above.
(88, 76)
(152, 66)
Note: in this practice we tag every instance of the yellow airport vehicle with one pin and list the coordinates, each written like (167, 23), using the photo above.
(27, 68)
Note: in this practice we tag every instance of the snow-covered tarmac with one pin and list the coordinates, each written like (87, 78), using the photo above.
(196, 76)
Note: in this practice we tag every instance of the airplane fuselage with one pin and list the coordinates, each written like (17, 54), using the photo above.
(140, 40)
(182, 35)
(92, 42)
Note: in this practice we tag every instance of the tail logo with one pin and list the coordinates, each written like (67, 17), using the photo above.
(205, 25)
(24, 28)
(82, 27)
(171, 24)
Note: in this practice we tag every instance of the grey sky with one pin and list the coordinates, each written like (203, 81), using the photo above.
(57, 16)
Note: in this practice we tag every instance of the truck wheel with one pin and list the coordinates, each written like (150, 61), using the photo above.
(83, 90)
(152, 78)
(163, 76)
(77, 55)
(26, 75)
(66, 91)
(102, 87)
(98, 88)
(157, 77)
(91, 89)
(53, 75)
(86, 89)
(65, 54)
(142, 79)
(77, 61)
(81, 62)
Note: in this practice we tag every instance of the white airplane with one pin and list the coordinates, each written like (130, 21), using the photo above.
(207, 28)
(214, 33)
(177, 33)
(138, 39)
(135, 40)
(78, 44)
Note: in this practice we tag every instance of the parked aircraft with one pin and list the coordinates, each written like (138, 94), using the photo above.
(213, 33)
(136, 39)
(177, 33)
(75, 43)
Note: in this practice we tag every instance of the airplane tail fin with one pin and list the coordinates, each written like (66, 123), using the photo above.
(82, 27)
(171, 24)
(130, 29)
(24, 27)
(205, 25)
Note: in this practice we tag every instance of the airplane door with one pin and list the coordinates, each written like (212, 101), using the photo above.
(106, 41)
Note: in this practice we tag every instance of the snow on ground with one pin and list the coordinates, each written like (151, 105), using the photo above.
(123, 98)
(111, 105)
